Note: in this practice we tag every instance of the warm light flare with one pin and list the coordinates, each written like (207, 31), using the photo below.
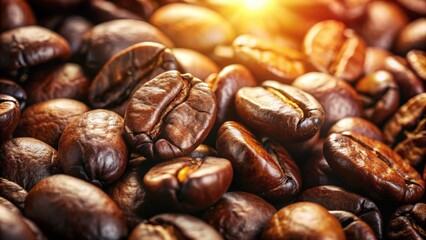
(254, 5)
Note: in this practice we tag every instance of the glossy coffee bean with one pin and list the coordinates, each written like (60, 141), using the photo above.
(115, 36)
(188, 184)
(332, 48)
(103, 11)
(13, 226)
(262, 167)
(9, 116)
(337, 198)
(408, 222)
(14, 14)
(57, 81)
(268, 61)
(47, 120)
(126, 71)
(169, 116)
(338, 98)
(72, 29)
(380, 95)
(26, 161)
(193, 27)
(174, 226)
(303, 220)
(30, 46)
(92, 147)
(373, 168)
(412, 36)
(417, 61)
(11, 88)
(239, 215)
(353, 227)
(280, 111)
(13, 193)
(374, 58)
(143, 9)
(404, 131)
(68, 208)
(199, 65)
(203, 151)
(357, 125)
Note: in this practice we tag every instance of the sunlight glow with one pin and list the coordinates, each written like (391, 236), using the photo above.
(255, 5)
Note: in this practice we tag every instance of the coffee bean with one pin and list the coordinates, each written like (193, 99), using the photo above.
(417, 61)
(11, 88)
(412, 219)
(12, 226)
(199, 65)
(353, 227)
(9, 116)
(14, 14)
(357, 125)
(13, 192)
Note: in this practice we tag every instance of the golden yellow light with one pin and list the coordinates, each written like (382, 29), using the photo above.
(254, 5)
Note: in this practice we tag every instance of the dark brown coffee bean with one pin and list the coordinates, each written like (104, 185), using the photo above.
(9, 116)
(199, 65)
(57, 5)
(68, 208)
(92, 147)
(10, 206)
(374, 58)
(142, 8)
(47, 120)
(13, 192)
(332, 48)
(338, 98)
(262, 167)
(239, 215)
(412, 36)
(303, 220)
(193, 27)
(405, 130)
(127, 70)
(103, 11)
(57, 81)
(417, 61)
(26, 161)
(373, 168)
(39, 235)
(408, 222)
(353, 227)
(10, 88)
(169, 116)
(14, 14)
(280, 111)
(357, 125)
(106, 39)
(267, 61)
(30, 46)
(337, 198)
(379, 93)
(13, 227)
(188, 184)
(174, 226)
(72, 29)
(203, 151)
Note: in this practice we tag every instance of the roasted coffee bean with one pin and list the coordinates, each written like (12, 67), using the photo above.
(332, 48)
(68, 208)
(267, 61)
(14, 14)
(47, 120)
(374, 58)
(57, 5)
(106, 39)
(194, 27)
(202, 151)
(357, 125)
(303, 220)
(337, 198)
(371, 167)
(262, 167)
(412, 36)
(408, 222)
(13, 226)
(417, 61)
(338, 98)
(9, 205)
(188, 184)
(26, 161)
(174, 226)
(39, 235)
(353, 227)
(239, 215)
(379, 93)
(103, 11)
(405, 130)
(13, 193)
(199, 65)
(126, 71)
(142, 8)
(418, 7)
(72, 29)
(29, 46)
(9, 116)
(280, 111)
(57, 81)
(92, 147)
(169, 116)
(10, 88)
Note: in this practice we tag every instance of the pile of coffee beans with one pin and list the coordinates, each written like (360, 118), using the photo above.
(190, 119)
